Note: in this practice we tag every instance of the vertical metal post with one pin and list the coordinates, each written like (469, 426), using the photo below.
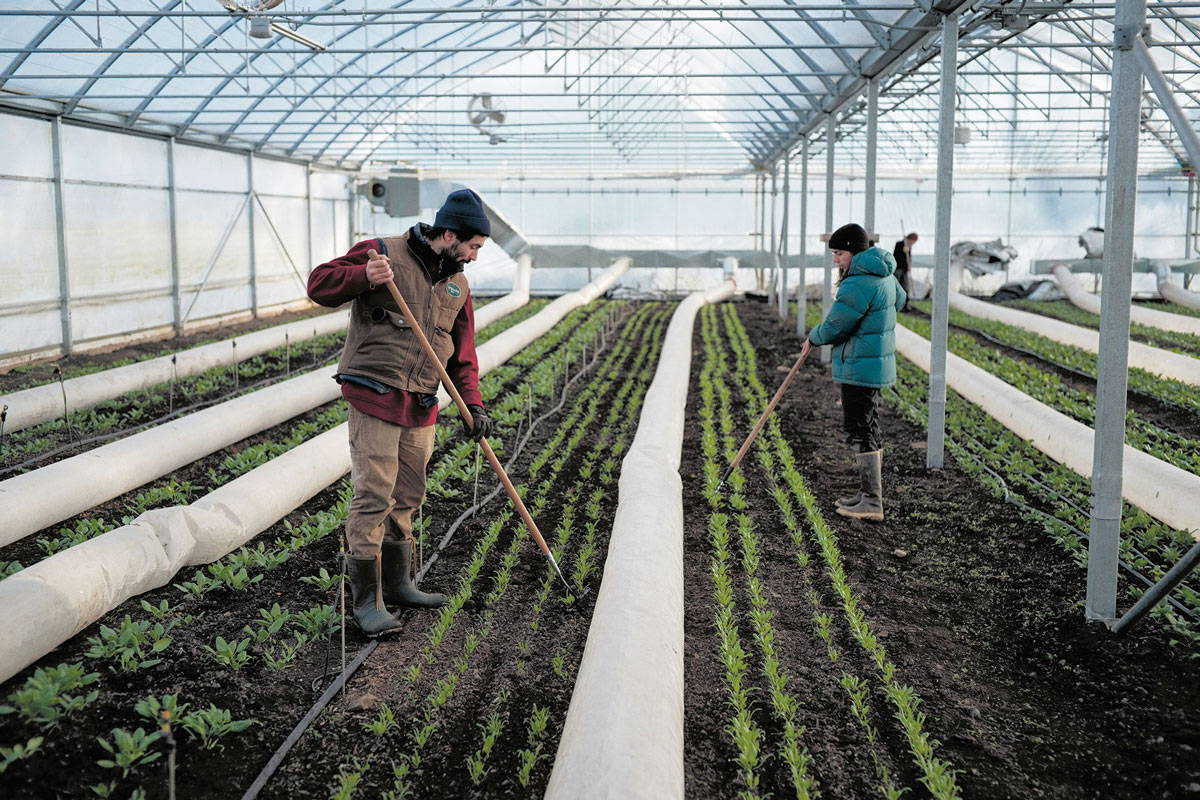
(1108, 455)
(308, 223)
(60, 230)
(827, 292)
(250, 225)
(782, 256)
(872, 146)
(802, 283)
(936, 434)
(173, 230)
(773, 257)
(1189, 225)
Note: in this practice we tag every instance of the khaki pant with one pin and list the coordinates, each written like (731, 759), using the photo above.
(387, 471)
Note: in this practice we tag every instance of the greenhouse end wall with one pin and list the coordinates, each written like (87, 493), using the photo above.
(86, 224)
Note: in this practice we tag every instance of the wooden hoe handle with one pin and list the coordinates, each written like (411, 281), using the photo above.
(466, 415)
(763, 419)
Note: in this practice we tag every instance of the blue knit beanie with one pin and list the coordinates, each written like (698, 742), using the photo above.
(463, 211)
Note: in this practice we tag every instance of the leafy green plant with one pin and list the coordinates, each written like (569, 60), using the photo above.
(18, 752)
(213, 724)
(128, 749)
(153, 708)
(270, 621)
(130, 645)
(322, 580)
(286, 654)
(234, 654)
(383, 722)
(44, 700)
(317, 622)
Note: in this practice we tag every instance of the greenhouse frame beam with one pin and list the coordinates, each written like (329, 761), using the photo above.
(1166, 100)
(827, 287)
(60, 230)
(802, 284)
(872, 146)
(935, 438)
(1108, 455)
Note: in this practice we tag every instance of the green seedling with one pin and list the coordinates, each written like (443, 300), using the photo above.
(18, 752)
(213, 724)
(128, 750)
(234, 654)
(383, 722)
(130, 645)
(44, 700)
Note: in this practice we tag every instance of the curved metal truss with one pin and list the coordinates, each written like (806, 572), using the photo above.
(590, 87)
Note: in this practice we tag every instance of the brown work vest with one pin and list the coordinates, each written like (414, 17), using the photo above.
(380, 344)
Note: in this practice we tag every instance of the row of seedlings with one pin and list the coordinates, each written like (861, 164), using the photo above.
(144, 653)
(441, 695)
(882, 688)
(1065, 310)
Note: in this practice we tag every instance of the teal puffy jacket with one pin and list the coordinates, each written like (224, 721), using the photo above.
(861, 324)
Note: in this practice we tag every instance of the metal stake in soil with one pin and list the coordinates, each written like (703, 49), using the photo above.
(3, 419)
(465, 412)
(475, 499)
(235, 364)
(66, 414)
(763, 419)
(287, 354)
(342, 602)
(174, 375)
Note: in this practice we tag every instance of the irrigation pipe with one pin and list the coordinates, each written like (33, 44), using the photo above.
(41, 403)
(1151, 359)
(1081, 298)
(1152, 485)
(51, 601)
(623, 735)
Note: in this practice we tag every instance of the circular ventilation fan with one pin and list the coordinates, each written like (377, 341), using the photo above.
(486, 115)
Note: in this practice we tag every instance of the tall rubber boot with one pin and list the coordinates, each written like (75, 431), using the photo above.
(856, 498)
(398, 586)
(870, 505)
(366, 592)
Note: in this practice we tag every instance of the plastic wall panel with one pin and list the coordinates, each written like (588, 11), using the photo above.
(32, 330)
(324, 238)
(341, 225)
(201, 168)
(122, 158)
(102, 319)
(118, 239)
(278, 177)
(29, 268)
(329, 185)
(33, 159)
(203, 218)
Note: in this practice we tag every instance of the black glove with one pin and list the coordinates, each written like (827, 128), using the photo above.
(483, 423)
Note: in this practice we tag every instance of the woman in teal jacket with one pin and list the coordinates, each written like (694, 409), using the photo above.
(861, 326)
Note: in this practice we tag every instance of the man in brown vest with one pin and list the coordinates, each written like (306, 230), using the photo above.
(391, 387)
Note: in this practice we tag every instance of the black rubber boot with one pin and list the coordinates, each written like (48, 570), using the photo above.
(398, 586)
(856, 498)
(367, 597)
(870, 505)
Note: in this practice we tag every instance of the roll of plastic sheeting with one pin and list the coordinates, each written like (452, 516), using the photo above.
(51, 601)
(1158, 488)
(1173, 293)
(32, 406)
(1163, 363)
(56, 598)
(1142, 316)
(623, 736)
(36, 499)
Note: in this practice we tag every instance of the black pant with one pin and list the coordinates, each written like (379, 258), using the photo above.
(859, 418)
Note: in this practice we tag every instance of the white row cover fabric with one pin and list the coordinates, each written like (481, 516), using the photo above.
(1158, 488)
(1163, 363)
(1162, 320)
(32, 406)
(623, 736)
(51, 601)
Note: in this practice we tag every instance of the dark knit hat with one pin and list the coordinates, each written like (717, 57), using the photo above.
(463, 211)
(851, 238)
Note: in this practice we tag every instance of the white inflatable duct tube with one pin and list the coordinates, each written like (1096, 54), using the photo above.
(1162, 320)
(56, 598)
(1158, 488)
(518, 297)
(1163, 363)
(1173, 293)
(41, 403)
(623, 736)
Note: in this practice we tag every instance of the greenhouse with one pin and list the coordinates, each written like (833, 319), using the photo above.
(569, 399)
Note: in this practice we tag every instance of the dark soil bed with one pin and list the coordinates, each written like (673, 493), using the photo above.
(982, 615)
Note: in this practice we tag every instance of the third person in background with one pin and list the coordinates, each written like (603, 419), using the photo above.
(861, 326)
(903, 255)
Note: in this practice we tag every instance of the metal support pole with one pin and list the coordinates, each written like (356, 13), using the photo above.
(1166, 98)
(1189, 227)
(1108, 455)
(782, 252)
(308, 225)
(250, 225)
(60, 230)
(173, 229)
(872, 146)
(1158, 592)
(936, 434)
(827, 291)
(802, 284)
(774, 251)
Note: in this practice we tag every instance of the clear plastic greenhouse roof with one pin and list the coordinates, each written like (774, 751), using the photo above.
(593, 87)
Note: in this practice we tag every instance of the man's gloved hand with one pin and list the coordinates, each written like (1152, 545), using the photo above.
(483, 423)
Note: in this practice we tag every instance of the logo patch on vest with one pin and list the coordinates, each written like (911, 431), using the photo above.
(453, 290)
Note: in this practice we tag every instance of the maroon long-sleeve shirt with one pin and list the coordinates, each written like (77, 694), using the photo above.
(342, 280)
